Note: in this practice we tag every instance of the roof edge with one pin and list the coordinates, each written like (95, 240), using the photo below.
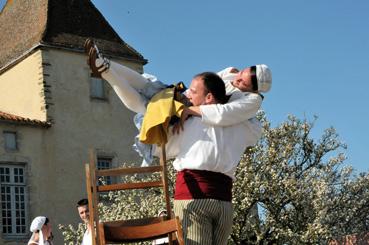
(27, 53)
(18, 59)
(30, 124)
(143, 61)
(14, 119)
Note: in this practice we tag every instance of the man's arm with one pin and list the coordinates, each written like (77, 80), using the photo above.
(241, 108)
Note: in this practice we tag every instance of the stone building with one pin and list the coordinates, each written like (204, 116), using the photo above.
(52, 111)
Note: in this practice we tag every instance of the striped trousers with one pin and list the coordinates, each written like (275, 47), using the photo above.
(205, 221)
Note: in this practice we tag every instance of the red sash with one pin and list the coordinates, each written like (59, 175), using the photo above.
(202, 184)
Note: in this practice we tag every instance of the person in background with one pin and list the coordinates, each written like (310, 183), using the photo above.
(41, 231)
(84, 214)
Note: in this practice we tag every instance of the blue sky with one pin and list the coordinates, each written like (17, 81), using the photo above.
(318, 52)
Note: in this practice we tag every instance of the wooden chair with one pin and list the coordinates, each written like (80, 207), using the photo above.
(126, 231)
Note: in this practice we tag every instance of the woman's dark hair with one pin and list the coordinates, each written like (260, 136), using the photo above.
(214, 85)
(254, 80)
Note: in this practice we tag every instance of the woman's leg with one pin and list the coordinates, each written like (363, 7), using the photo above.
(135, 79)
(126, 83)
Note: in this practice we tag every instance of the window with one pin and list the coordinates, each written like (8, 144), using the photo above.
(97, 88)
(13, 201)
(104, 163)
(10, 140)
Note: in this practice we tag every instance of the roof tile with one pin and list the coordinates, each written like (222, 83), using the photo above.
(6, 117)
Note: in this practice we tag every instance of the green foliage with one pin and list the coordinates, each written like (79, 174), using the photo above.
(290, 189)
(72, 235)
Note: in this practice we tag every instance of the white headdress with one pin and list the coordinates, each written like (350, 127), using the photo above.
(264, 78)
(36, 225)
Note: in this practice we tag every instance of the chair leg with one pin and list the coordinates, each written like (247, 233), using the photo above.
(101, 234)
(170, 241)
(179, 231)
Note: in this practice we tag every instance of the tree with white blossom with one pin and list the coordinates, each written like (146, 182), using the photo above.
(303, 192)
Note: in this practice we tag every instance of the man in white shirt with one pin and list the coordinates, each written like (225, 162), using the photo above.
(206, 158)
(84, 214)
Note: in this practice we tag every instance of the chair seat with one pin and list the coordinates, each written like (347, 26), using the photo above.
(139, 229)
(133, 222)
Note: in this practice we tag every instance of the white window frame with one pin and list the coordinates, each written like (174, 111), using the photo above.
(13, 181)
(10, 136)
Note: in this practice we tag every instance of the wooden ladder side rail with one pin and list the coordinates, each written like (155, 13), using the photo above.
(94, 194)
(90, 204)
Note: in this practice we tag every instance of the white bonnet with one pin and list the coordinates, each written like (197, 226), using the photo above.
(36, 225)
(264, 78)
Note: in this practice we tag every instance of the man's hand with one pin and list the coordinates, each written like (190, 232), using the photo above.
(186, 113)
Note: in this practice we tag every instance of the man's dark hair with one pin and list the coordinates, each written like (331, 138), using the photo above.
(82, 202)
(214, 85)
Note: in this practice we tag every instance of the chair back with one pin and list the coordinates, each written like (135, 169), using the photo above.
(129, 230)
